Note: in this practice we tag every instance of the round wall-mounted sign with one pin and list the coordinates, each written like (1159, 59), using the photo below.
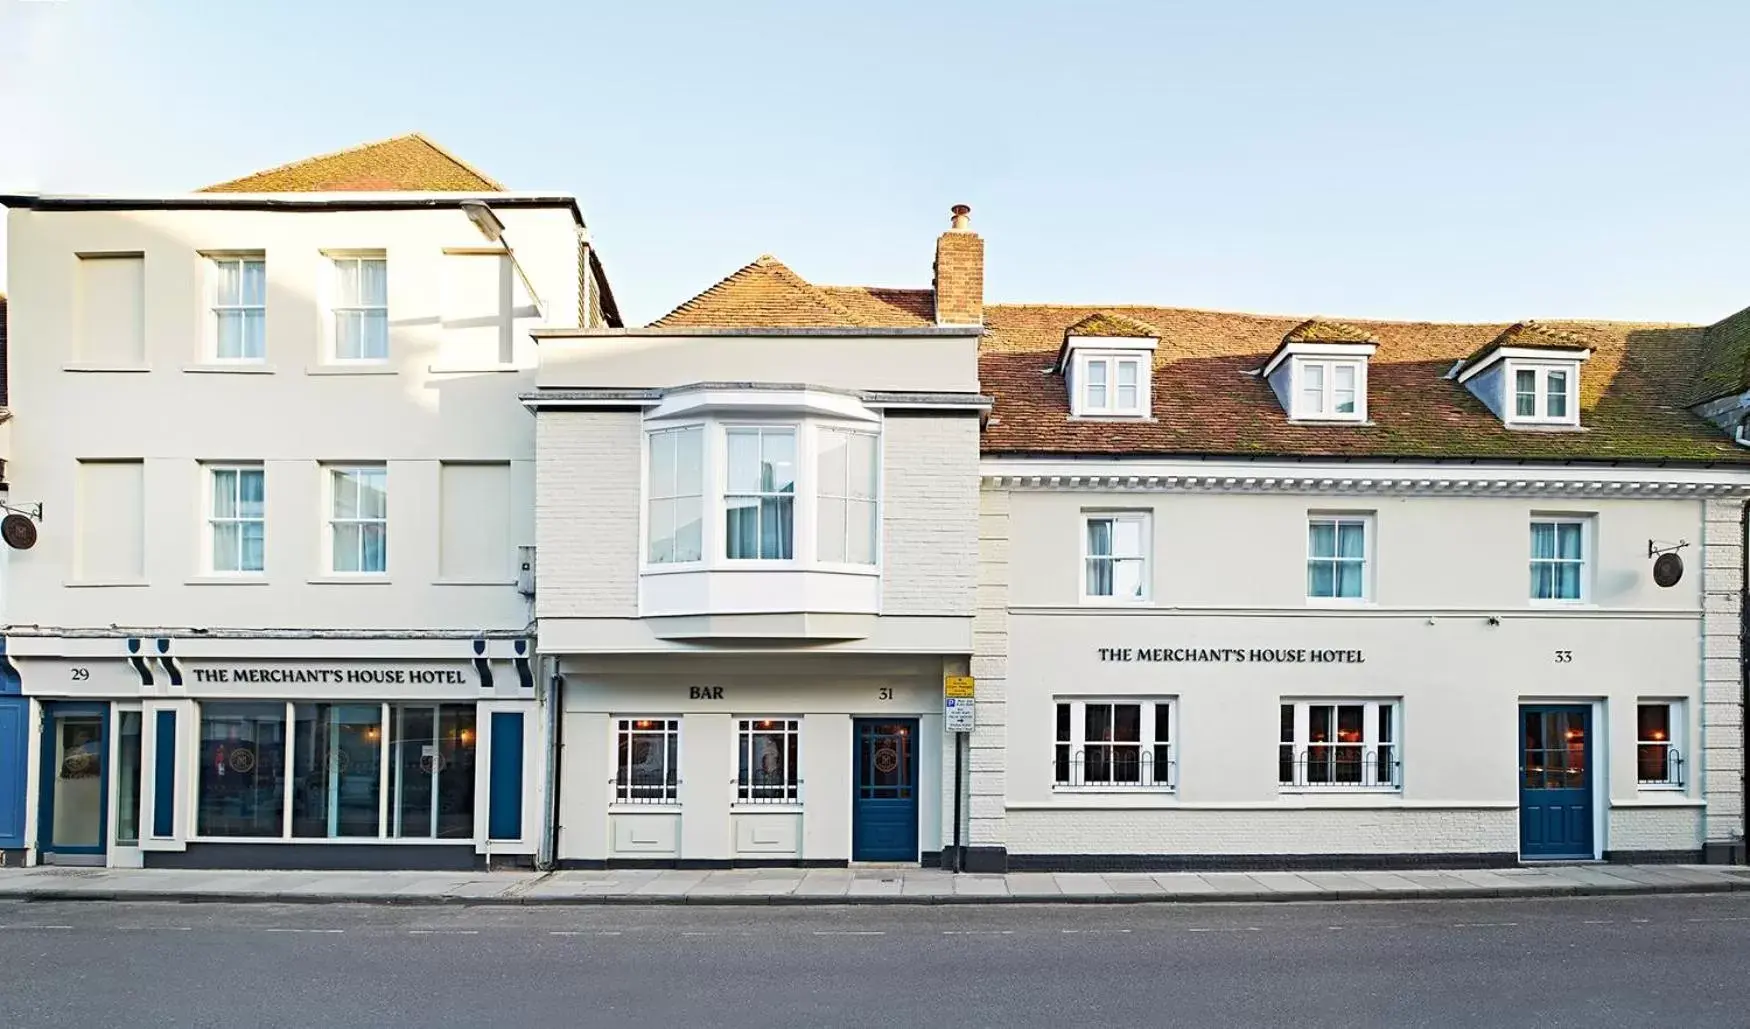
(1668, 569)
(18, 531)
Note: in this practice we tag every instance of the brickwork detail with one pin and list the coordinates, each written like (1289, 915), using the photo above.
(1722, 755)
(930, 515)
(959, 282)
(1655, 828)
(990, 662)
(587, 514)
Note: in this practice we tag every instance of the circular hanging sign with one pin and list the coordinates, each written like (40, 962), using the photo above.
(1668, 569)
(242, 760)
(886, 759)
(18, 531)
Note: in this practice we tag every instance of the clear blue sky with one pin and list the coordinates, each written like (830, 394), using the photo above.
(1478, 161)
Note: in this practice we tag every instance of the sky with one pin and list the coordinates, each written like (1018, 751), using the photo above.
(1484, 161)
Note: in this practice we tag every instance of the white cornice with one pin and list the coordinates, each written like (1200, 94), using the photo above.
(1363, 479)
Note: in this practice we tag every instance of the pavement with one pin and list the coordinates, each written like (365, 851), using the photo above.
(856, 885)
(1555, 963)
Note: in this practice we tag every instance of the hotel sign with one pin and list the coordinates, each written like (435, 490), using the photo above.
(1231, 655)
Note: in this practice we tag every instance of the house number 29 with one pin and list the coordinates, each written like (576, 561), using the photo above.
(81, 674)
(1564, 657)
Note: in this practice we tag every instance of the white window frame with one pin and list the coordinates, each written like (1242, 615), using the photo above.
(1585, 522)
(1069, 752)
(335, 308)
(1144, 520)
(664, 728)
(841, 492)
(1540, 372)
(1338, 519)
(1676, 761)
(789, 730)
(216, 310)
(331, 521)
(1304, 756)
(799, 482)
(651, 496)
(212, 520)
(1327, 409)
(1110, 363)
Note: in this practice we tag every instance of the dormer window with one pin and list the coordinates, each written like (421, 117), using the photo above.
(1319, 373)
(1528, 376)
(1111, 386)
(1107, 362)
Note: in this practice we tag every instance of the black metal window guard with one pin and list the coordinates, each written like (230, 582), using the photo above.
(639, 792)
(1117, 765)
(1659, 764)
(1339, 766)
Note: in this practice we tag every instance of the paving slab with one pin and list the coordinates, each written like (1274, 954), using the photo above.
(1184, 884)
(981, 886)
(1134, 884)
(1082, 884)
(1238, 884)
(1287, 882)
(1340, 883)
(1033, 884)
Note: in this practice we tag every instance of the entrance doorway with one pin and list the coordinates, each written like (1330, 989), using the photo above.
(73, 822)
(884, 803)
(1555, 782)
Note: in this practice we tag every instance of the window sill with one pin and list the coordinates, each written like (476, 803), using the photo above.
(101, 583)
(1560, 605)
(1340, 602)
(1113, 791)
(473, 582)
(1340, 791)
(363, 579)
(371, 368)
(471, 369)
(103, 366)
(251, 579)
(1660, 796)
(1138, 417)
(620, 807)
(739, 807)
(1530, 426)
(695, 567)
(1115, 602)
(230, 368)
(344, 841)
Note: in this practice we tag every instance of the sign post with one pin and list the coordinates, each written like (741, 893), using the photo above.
(957, 718)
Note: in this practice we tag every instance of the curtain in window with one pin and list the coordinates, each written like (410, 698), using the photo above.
(1556, 560)
(1099, 547)
(761, 498)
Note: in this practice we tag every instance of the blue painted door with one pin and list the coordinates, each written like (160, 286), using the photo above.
(73, 810)
(1555, 781)
(14, 772)
(884, 805)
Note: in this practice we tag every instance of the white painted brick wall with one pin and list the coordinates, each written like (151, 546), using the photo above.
(1257, 832)
(1722, 756)
(930, 514)
(1655, 828)
(587, 513)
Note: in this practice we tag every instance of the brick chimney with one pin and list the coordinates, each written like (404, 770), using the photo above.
(959, 272)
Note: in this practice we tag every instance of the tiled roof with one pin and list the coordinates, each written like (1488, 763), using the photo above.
(1105, 323)
(1318, 330)
(409, 163)
(1727, 370)
(1207, 399)
(1530, 336)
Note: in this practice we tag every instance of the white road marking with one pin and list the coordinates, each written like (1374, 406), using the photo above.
(580, 932)
(28, 928)
(319, 931)
(849, 932)
(1483, 925)
(1216, 929)
(1596, 921)
(443, 932)
(978, 932)
(1727, 918)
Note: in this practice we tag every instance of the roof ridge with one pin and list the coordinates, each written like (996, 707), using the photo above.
(767, 264)
(449, 154)
(1340, 332)
(418, 137)
(1102, 317)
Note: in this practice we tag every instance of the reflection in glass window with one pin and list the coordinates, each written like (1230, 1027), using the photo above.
(127, 777)
(768, 768)
(647, 769)
(1558, 559)
(431, 748)
(242, 770)
(238, 520)
(361, 309)
(677, 487)
(847, 497)
(1116, 556)
(1336, 558)
(359, 521)
(240, 308)
(761, 494)
(337, 770)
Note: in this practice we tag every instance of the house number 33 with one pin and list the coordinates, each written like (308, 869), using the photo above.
(1564, 657)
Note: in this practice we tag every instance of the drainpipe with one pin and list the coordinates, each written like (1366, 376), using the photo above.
(555, 690)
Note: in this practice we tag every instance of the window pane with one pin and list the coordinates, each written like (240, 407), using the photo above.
(230, 329)
(1343, 401)
(860, 532)
(346, 547)
(348, 335)
(432, 762)
(1543, 581)
(661, 531)
(335, 769)
(346, 282)
(373, 335)
(1321, 579)
(127, 786)
(1351, 540)
(242, 770)
(1321, 539)
(864, 468)
(346, 498)
(830, 532)
(1654, 722)
(1096, 390)
(1318, 720)
(662, 464)
(1099, 537)
(777, 528)
(373, 282)
(1287, 723)
(1127, 723)
(1349, 579)
(1163, 722)
(1567, 582)
(1127, 579)
(1312, 377)
(1556, 394)
(1126, 398)
(778, 467)
(253, 547)
(1097, 723)
(833, 465)
(224, 493)
(1099, 577)
(227, 283)
(1543, 539)
(252, 491)
(1568, 536)
(1343, 376)
(689, 462)
(254, 283)
(254, 344)
(1127, 537)
(1349, 723)
(744, 460)
(689, 529)
(1063, 722)
(742, 527)
(374, 548)
(227, 546)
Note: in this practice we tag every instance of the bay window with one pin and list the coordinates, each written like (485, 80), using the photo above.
(846, 497)
(677, 494)
(1339, 744)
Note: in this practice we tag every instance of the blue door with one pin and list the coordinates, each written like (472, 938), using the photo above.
(884, 805)
(1555, 781)
(73, 812)
(14, 716)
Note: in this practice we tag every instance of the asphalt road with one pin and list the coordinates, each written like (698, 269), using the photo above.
(1596, 963)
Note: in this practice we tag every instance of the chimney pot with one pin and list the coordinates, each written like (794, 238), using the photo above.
(959, 272)
(962, 216)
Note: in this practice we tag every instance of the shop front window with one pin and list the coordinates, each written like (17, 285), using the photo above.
(337, 770)
(432, 761)
(127, 785)
(242, 770)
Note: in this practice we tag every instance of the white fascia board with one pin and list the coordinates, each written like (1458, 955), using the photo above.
(808, 401)
(1358, 351)
(1239, 472)
(1527, 354)
(1106, 344)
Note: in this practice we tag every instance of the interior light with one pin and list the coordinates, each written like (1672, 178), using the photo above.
(370, 732)
(467, 737)
(1658, 734)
